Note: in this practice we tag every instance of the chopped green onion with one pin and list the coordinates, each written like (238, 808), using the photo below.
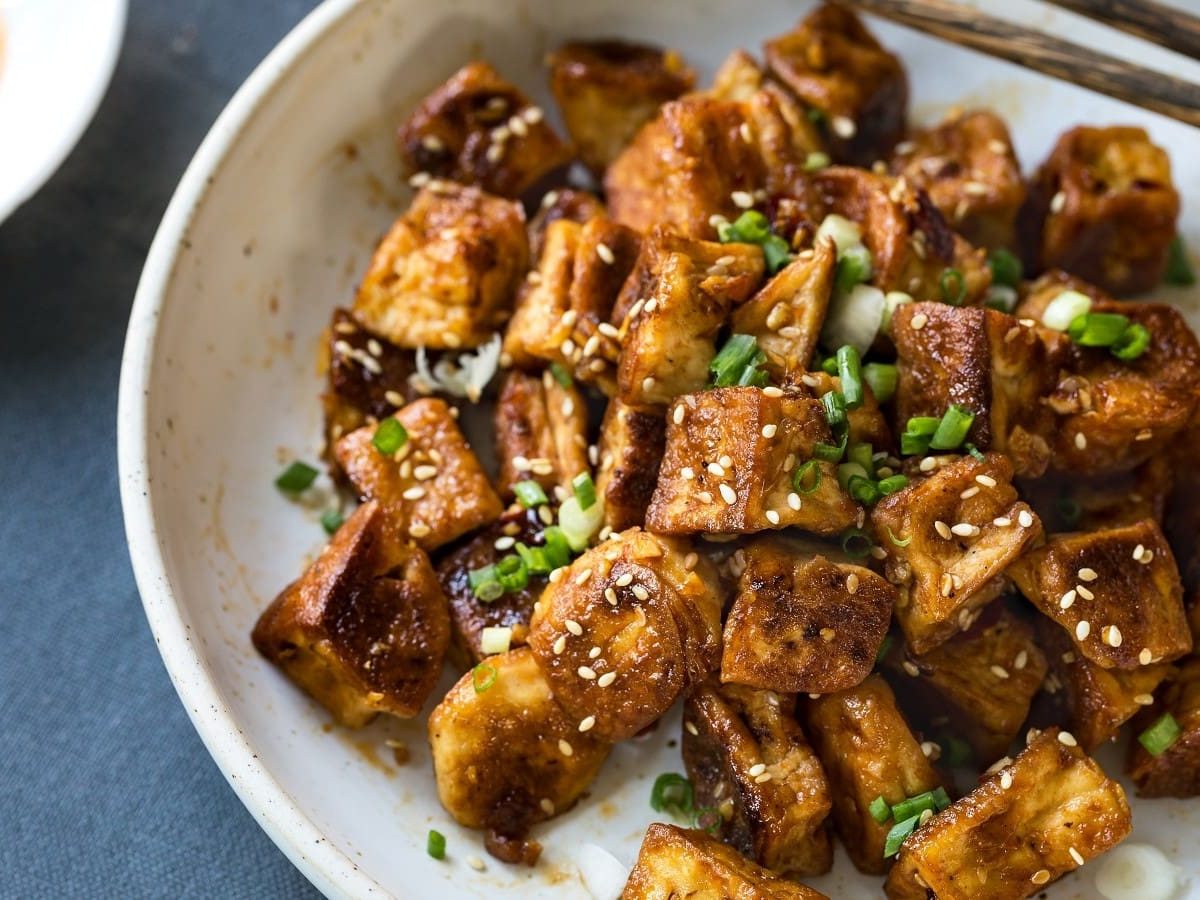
(885, 647)
(955, 751)
(891, 484)
(829, 365)
(891, 300)
(752, 375)
(672, 793)
(974, 451)
(954, 287)
(851, 377)
(483, 676)
(830, 452)
(331, 520)
(861, 453)
(1068, 510)
(558, 547)
(923, 425)
(708, 819)
(512, 573)
(913, 444)
(801, 477)
(579, 524)
(1132, 343)
(1006, 268)
(914, 806)
(1001, 297)
(1065, 308)
(530, 494)
(534, 558)
(856, 543)
(863, 490)
(883, 378)
(585, 489)
(727, 366)
(751, 227)
(389, 436)
(941, 800)
(953, 428)
(435, 844)
(845, 233)
(296, 478)
(1179, 267)
(814, 115)
(835, 408)
(849, 470)
(896, 837)
(816, 161)
(896, 541)
(561, 375)
(495, 639)
(854, 267)
(1159, 737)
(485, 584)
(1097, 329)
(776, 253)
(879, 809)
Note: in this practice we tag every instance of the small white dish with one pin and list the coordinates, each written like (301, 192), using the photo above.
(271, 226)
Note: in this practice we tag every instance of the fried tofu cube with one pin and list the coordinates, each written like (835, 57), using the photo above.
(1103, 207)
(1116, 593)
(786, 314)
(1027, 824)
(445, 275)
(541, 432)
(969, 169)
(731, 455)
(631, 449)
(670, 337)
(988, 362)
(676, 862)
(1096, 502)
(1175, 772)
(776, 816)
(364, 630)
(1182, 515)
(802, 623)
(477, 128)
(432, 489)
(654, 610)
(506, 756)
(949, 540)
(576, 206)
(607, 90)
(981, 682)
(833, 64)
(867, 751)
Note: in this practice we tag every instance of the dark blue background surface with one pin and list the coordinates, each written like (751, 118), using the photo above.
(105, 789)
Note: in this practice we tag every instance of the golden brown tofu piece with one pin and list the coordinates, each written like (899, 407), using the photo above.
(607, 90)
(786, 314)
(541, 432)
(364, 630)
(775, 816)
(730, 458)
(1182, 515)
(479, 129)
(1042, 816)
(432, 489)
(949, 539)
(867, 751)
(1175, 772)
(468, 614)
(445, 275)
(654, 610)
(979, 684)
(1116, 593)
(631, 449)
(670, 338)
(833, 64)
(968, 167)
(576, 206)
(802, 623)
(675, 862)
(506, 756)
(1103, 207)
(988, 362)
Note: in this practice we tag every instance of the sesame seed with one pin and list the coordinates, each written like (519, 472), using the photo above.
(547, 806)
(772, 516)
(689, 561)
(582, 577)
(568, 405)
(648, 383)
(1112, 636)
(1080, 440)
(687, 473)
(574, 627)
(605, 253)
(793, 500)
(704, 496)
(1006, 780)
(556, 574)
(1002, 521)
(1025, 519)
(691, 728)
(975, 188)
(476, 863)
(564, 748)
(918, 321)
(587, 724)
(1145, 657)
(756, 769)
(969, 493)
(728, 494)
(394, 398)
(843, 127)
(1083, 629)
(1144, 435)
(947, 584)
(504, 543)
(1066, 600)
(726, 460)
(926, 815)
(1041, 876)
(716, 469)
(586, 672)
(424, 473)
(532, 114)
(910, 668)
(1084, 592)
(852, 583)
(606, 679)
(965, 529)
(1144, 700)
(625, 580)
(768, 431)
(1076, 855)
(942, 529)
(928, 464)
(545, 515)
(419, 530)
(494, 153)
(1067, 739)
(1086, 574)
(1057, 202)
(999, 764)
(931, 750)
(640, 592)
(772, 392)
(764, 777)
(742, 199)
(419, 179)
(677, 416)
(1000, 672)
(986, 480)
(414, 493)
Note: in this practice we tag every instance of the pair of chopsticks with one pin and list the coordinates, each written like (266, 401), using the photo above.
(1061, 59)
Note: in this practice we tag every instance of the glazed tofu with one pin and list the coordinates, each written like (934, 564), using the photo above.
(834, 65)
(477, 128)
(670, 337)
(961, 528)
(1027, 824)
(867, 751)
(506, 756)
(1103, 207)
(432, 489)
(803, 623)
(675, 862)
(1182, 516)
(786, 314)
(631, 449)
(1115, 592)
(607, 90)
(731, 455)
(775, 816)
(979, 683)
(1176, 771)
(576, 206)
(652, 607)
(445, 275)
(541, 432)
(990, 363)
(1097, 502)
(468, 614)
(364, 630)
(969, 169)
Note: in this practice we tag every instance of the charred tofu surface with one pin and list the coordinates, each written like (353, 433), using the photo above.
(541, 431)
(364, 630)
(631, 451)
(1172, 771)
(1028, 823)
(803, 623)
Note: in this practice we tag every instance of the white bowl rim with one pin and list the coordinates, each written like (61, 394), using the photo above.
(330, 870)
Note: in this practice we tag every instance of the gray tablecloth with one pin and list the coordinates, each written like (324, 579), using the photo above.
(105, 789)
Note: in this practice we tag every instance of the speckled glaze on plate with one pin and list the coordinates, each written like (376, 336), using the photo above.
(270, 227)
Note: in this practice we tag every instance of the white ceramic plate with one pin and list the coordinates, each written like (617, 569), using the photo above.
(56, 58)
(270, 227)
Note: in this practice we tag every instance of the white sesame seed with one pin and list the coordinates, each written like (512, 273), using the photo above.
(419, 179)
(918, 321)
(910, 668)
(728, 494)
(1144, 699)
(574, 627)
(544, 514)
(476, 863)
(677, 416)
(504, 543)
(1057, 202)
(947, 584)
(587, 724)
(648, 383)
(564, 748)
(772, 516)
(704, 496)
(764, 777)
(1041, 876)
(742, 199)
(793, 500)
(1086, 574)
(1076, 855)
(691, 728)
(605, 253)
(547, 806)
(1006, 780)
(843, 127)
(1083, 629)
(556, 574)
(594, 652)
(986, 480)
(942, 529)
(928, 464)
(1002, 521)
(756, 769)
(1084, 592)
(716, 469)
(931, 750)
(624, 580)
(606, 679)
(419, 530)
(975, 188)
(687, 473)
(827, 635)
(965, 529)
(641, 593)
(1067, 600)
(1067, 739)
(1080, 440)
(1112, 636)
(586, 672)
(414, 493)
(768, 431)
(1145, 657)
(999, 671)
(772, 392)
(999, 764)
(726, 460)
(582, 577)
(852, 583)
(1025, 519)
(969, 493)
(689, 561)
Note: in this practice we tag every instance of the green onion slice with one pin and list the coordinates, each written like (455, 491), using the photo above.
(882, 378)
(558, 548)
(848, 470)
(851, 376)
(1097, 329)
(854, 267)
(561, 375)
(913, 444)
(485, 584)
(953, 428)
(1132, 343)
(862, 454)
(389, 436)
(954, 286)
(435, 844)
(672, 793)
(483, 676)
(737, 353)
(896, 541)
(807, 477)
(923, 425)
(534, 558)
(955, 751)
(1179, 267)
(830, 452)
(856, 543)
(879, 809)
(512, 573)
(585, 489)
(892, 483)
(816, 161)
(1159, 737)
(530, 494)
(835, 408)
(863, 490)
(896, 837)
(974, 451)
(1006, 268)
(296, 478)
(914, 806)
(776, 253)
(708, 819)
(331, 520)
(884, 648)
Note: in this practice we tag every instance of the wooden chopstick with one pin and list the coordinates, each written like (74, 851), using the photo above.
(1155, 22)
(1049, 55)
